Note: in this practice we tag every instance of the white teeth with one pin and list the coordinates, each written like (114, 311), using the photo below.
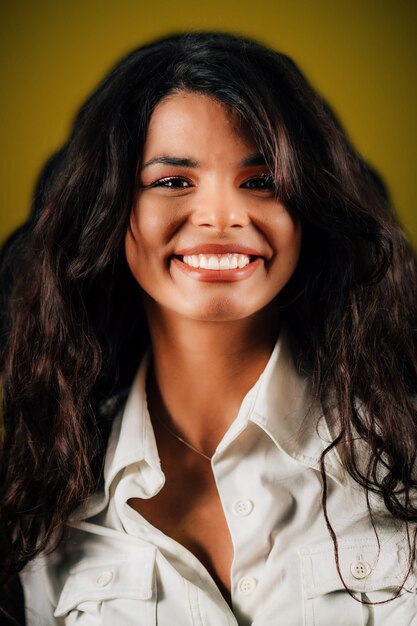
(241, 260)
(224, 263)
(217, 262)
(213, 263)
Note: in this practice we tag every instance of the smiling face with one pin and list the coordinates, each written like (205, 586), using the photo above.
(207, 238)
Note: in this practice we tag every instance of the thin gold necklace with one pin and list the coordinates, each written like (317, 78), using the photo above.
(174, 434)
(150, 392)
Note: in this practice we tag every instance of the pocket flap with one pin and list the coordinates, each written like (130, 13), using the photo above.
(97, 580)
(363, 566)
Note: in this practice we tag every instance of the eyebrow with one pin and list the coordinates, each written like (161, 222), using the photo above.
(251, 160)
(171, 160)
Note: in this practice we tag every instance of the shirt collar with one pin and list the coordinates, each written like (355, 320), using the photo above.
(131, 443)
(286, 409)
(133, 439)
(281, 403)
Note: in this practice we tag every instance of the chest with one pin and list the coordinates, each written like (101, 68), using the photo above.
(188, 509)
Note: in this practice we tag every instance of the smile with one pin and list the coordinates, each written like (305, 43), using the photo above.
(225, 268)
(217, 261)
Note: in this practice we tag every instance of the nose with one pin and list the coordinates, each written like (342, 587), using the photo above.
(220, 211)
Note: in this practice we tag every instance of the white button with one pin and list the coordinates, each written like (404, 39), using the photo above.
(104, 578)
(360, 569)
(247, 585)
(242, 507)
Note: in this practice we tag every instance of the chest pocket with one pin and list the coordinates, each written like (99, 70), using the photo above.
(370, 575)
(99, 593)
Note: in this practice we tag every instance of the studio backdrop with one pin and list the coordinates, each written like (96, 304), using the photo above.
(360, 54)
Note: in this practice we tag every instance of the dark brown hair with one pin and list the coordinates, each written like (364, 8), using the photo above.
(73, 326)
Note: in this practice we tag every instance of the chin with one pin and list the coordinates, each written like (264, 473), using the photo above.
(220, 310)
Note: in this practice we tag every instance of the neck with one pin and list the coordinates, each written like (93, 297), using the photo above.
(201, 371)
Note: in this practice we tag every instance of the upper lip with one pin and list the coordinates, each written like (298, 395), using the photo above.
(218, 248)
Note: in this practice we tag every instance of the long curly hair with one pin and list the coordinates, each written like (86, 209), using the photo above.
(73, 325)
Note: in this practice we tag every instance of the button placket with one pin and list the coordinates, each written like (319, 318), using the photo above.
(247, 585)
(242, 508)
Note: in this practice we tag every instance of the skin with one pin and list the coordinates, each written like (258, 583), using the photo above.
(210, 340)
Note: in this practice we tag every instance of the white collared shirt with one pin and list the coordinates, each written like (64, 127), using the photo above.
(116, 569)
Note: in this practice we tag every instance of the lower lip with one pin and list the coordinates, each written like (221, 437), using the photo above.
(218, 276)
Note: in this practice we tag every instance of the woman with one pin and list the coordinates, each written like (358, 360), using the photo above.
(209, 362)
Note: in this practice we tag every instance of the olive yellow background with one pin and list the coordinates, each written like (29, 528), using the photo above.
(359, 54)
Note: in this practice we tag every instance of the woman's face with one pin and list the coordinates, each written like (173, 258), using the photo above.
(207, 238)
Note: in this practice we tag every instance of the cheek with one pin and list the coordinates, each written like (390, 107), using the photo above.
(140, 239)
(294, 241)
(131, 252)
(287, 237)
(150, 229)
(153, 222)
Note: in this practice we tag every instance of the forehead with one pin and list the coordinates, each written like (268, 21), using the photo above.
(191, 122)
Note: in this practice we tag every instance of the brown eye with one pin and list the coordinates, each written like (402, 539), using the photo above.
(172, 182)
(259, 183)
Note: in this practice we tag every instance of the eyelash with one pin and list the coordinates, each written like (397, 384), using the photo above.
(169, 179)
